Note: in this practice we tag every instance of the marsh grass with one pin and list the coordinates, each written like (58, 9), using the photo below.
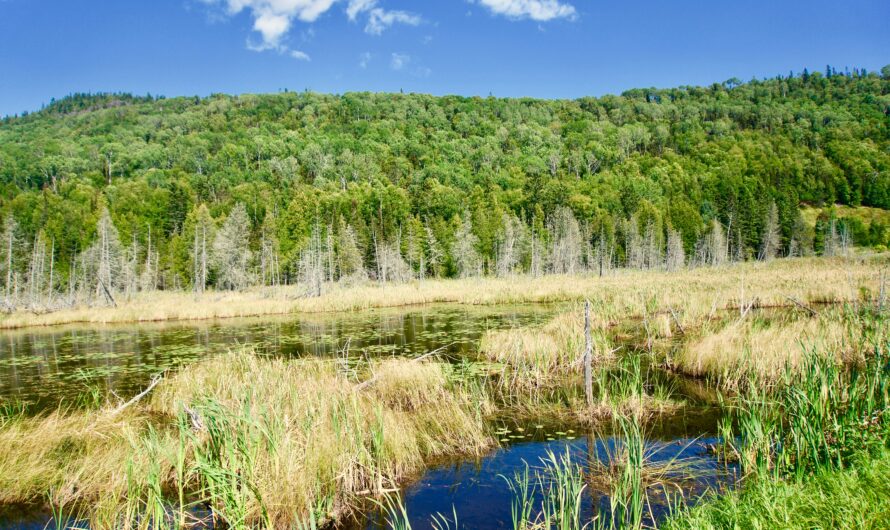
(693, 294)
(230, 432)
(543, 365)
(548, 496)
(824, 411)
(805, 394)
(633, 476)
(767, 347)
(857, 497)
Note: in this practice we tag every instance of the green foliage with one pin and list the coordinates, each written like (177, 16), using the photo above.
(377, 162)
(858, 497)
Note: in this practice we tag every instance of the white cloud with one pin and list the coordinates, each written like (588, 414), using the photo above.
(364, 59)
(539, 10)
(379, 20)
(399, 61)
(273, 19)
(300, 56)
(356, 7)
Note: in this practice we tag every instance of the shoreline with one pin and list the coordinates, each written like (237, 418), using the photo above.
(803, 276)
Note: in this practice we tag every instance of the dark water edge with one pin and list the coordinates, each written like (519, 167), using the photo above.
(480, 496)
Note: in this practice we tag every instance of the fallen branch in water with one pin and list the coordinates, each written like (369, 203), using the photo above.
(154, 382)
(801, 305)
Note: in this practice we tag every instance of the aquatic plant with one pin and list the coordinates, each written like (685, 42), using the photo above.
(548, 497)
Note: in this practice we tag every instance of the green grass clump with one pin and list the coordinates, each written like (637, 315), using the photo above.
(854, 498)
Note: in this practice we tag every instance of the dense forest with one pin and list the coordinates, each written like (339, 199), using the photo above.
(110, 193)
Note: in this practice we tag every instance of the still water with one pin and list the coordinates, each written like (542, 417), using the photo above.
(44, 366)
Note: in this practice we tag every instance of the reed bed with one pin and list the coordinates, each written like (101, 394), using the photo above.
(693, 294)
(764, 348)
(261, 442)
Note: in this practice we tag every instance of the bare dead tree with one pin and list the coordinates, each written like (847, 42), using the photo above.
(231, 250)
(832, 240)
(148, 279)
(653, 243)
(36, 271)
(635, 256)
(330, 253)
(201, 258)
(349, 258)
(676, 255)
(10, 242)
(605, 254)
(434, 253)
(464, 252)
(509, 242)
(771, 238)
(566, 242)
(391, 264)
(312, 266)
(107, 254)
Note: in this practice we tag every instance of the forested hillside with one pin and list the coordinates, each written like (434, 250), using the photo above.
(120, 193)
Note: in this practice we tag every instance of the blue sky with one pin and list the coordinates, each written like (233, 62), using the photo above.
(540, 48)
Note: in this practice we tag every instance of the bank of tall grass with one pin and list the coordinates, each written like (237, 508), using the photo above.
(262, 443)
(810, 436)
(693, 293)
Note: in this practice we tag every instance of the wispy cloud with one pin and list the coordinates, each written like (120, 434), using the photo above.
(398, 61)
(273, 19)
(380, 20)
(300, 56)
(539, 10)
(364, 59)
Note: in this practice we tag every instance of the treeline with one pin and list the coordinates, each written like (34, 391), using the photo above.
(227, 192)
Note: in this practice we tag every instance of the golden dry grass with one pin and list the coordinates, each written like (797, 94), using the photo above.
(694, 293)
(768, 349)
(298, 435)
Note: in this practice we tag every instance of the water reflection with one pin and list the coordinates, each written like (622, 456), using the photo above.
(43, 366)
(479, 493)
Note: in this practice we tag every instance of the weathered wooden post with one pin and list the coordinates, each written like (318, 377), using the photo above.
(588, 355)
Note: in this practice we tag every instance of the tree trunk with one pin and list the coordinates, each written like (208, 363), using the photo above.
(588, 356)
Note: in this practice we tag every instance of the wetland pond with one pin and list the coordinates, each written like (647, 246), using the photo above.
(42, 367)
